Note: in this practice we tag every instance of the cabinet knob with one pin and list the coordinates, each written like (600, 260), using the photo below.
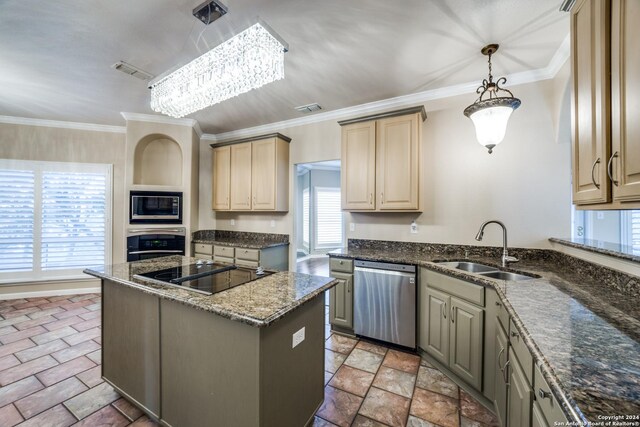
(498, 303)
(515, 335)
(544, 394)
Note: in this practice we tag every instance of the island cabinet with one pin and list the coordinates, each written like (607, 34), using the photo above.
(381, 161)
(127, 349)
(188, 367)
(452, 324)
(251, 174)
(271, 258)
(341, 295)
(605, 68)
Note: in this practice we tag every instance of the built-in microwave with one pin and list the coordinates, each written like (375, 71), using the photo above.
(155, 207)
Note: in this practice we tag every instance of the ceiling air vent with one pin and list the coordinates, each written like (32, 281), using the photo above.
(310, 108)
(131, 70)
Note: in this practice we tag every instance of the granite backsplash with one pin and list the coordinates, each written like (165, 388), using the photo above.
(240, 235)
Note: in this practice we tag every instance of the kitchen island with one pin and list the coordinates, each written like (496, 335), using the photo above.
(231, 358)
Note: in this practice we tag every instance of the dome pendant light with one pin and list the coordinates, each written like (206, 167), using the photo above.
(491, 114)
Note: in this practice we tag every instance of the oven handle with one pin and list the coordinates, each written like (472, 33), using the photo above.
(156, 252)
(178, 231)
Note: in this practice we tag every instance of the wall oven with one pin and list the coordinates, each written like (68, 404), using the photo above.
(145, 243)
(155, 207)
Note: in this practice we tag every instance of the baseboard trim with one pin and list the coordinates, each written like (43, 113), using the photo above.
(50, 293)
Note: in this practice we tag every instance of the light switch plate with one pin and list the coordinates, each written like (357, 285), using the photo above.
(352, 227)
(233, 222)
(298, 337)
(273, 224)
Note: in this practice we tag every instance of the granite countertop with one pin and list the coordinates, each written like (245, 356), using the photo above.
(248, 243)
(240, 239)
(616, 250)
(257, 303)
(580, 322)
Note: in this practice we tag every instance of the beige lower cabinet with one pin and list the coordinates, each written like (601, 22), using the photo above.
(452, 328)
(341, 295)
(520, 395)
(272, 258)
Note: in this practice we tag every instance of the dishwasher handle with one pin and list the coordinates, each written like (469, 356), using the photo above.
(411, 276)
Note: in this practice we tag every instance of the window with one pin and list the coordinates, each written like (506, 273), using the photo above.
(55, 219)
(305, 218)
(328, 217)
(631, 230)
(611, 226)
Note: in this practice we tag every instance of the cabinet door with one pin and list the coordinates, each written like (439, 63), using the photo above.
(437, 336)
(500, 393)
(590, 108)
(359, 166)
(127, 350)
(465, 345)
(520, 395)
(625, 101)
(537, 417)
(241, 177)
(221, 177)
(263, 175)
(341, 301)
(398, 155)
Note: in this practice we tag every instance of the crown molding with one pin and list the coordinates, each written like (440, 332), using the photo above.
(61, 124)
(155, 118)
(557, 61)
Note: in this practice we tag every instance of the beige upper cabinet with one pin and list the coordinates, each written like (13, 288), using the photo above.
(358, 173)
(624, 163)
(381, 160)
(269, 175)
(241, 177)
(254, 173)
(590, 108)
(605, 66)
(221, 178)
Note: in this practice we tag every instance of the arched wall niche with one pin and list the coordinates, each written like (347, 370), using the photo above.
(157, 161)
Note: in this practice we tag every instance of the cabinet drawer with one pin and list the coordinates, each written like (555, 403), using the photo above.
(224, 251)
(503, 315)
(465, 290)
(246, 263)
(549, 405)
(521, 351)
(203, 248)
(224, 259)
(248, 254)
(341, 265)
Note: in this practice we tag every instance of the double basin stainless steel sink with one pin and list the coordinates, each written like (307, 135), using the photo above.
(485, 270)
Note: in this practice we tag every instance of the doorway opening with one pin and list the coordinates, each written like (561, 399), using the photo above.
(318, 215)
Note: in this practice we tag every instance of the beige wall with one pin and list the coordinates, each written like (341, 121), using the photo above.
(23, 142)
(525, 182)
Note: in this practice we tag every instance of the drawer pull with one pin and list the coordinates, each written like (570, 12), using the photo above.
(515, 335)
(498, 303)
(544, 394)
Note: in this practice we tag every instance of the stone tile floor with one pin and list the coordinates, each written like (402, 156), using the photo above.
(50, 376)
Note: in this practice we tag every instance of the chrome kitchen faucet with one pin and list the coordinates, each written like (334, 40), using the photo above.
(505, 255)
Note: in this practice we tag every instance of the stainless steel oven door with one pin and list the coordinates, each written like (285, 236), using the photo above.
(146, 243)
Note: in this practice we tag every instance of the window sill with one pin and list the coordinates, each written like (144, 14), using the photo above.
(615, 250)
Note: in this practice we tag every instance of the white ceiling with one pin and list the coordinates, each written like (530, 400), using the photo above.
(56, 56)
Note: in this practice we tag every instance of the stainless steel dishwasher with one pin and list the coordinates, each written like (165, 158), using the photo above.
(385, 302)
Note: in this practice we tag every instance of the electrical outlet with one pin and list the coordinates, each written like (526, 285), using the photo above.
(352, 227)
(233, 222)
(414, 227)
(273, 224)
(298, 337)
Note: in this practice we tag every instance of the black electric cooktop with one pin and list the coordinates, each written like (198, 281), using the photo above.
(207, 278)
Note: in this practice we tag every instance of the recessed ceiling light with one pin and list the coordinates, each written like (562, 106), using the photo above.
(310, 108)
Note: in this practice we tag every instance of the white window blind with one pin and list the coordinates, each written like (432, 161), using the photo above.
(73, 219)
(328, 217)
(305, 218)
(55, 219)
(17, 192)
(634, 231)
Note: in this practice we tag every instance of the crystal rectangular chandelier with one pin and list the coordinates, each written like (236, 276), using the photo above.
(246, 61)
